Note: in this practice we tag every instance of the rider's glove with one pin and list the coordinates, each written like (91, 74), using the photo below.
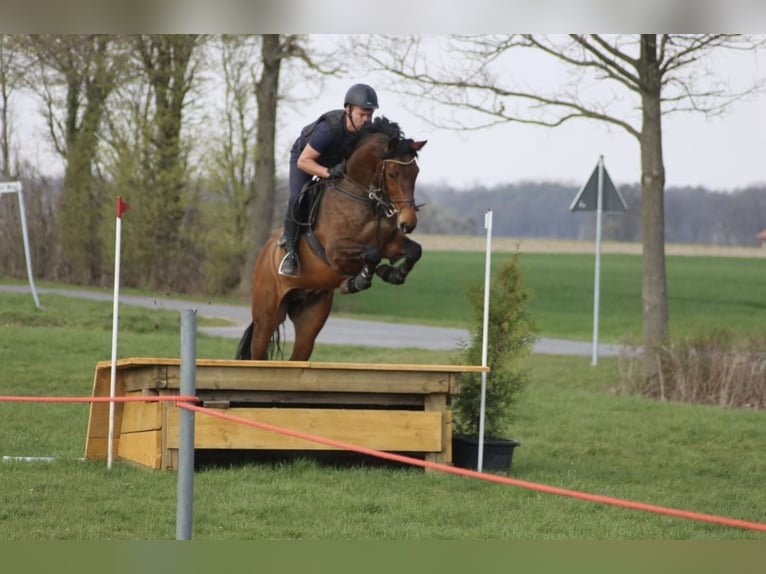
(337, 171)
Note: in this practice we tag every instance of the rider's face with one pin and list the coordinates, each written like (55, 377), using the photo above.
(356, 117)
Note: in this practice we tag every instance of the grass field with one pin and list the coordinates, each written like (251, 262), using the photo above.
(704, 292)
(578, 431)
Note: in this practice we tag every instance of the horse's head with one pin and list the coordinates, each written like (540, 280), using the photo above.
(386, 164)
(398, 175)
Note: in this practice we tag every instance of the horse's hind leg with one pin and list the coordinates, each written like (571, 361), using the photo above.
(263, 331)
(268, 315)
(308, 317)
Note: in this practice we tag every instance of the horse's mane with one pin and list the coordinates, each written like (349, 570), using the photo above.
(398, 145)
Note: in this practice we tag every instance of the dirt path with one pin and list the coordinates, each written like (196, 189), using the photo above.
(509, 244)
(337, 331)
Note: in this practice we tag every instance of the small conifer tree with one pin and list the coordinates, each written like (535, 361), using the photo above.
(510, 339)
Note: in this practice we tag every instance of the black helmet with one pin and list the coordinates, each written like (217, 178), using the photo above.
(361, 95)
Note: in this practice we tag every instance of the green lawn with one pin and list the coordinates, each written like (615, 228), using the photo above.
(578, 431)
(703, 293)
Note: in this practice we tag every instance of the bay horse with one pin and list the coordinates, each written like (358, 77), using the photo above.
(361, 218)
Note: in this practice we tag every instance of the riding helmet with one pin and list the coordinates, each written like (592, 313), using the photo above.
(361, 95)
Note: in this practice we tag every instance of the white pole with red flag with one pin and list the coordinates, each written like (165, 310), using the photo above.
(122, 207)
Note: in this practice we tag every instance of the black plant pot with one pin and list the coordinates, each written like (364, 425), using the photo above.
(498, 453)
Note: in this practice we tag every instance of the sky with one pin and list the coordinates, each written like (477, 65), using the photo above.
(724, 153)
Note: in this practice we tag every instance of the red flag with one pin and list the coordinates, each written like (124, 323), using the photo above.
(122, 207)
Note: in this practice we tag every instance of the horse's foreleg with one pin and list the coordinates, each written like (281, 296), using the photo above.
(396, 275)
(362, 280)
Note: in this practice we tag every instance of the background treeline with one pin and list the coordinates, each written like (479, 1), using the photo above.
(528, 209)
(184, 127)
(540, 210)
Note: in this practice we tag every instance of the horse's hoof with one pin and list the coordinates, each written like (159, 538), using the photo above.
(383, 271)
(390, 274)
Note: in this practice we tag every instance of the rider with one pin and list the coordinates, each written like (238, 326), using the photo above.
(320, 151)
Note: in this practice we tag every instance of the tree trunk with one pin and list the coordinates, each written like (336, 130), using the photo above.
(168, 64)
(7, 79)
(654, 288)
(82, 200)
(262, 207)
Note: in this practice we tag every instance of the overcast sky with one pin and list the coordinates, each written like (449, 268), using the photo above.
(722, 153)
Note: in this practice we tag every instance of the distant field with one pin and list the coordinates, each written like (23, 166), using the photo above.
(509, 244)
(708, 287)
(704, 291)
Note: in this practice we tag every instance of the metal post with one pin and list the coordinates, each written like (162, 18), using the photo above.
(597, 280)
(15, 187)
(186, 426)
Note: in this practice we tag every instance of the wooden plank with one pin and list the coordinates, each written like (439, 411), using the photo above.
(423, 389)
(152, 361)
(137, 417)
(142, 447)
(329, 380)
(403, 431)
(434, 402)
(438, 403)
(97, 448)
(246, 378)
(146, 377)
(171, 462)
(443, 456)
(286, 375)
(98, 418)
(318, 398)
(166, 461)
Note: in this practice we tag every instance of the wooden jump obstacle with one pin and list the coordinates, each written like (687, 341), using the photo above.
(394, 408)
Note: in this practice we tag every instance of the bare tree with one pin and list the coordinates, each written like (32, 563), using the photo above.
(11, 78)
(276, 51)
(242, 163)
(228, 160)
(169, 65)
(627, 81)
(76, 74)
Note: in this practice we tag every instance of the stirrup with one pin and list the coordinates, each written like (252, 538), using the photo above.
(290, 266)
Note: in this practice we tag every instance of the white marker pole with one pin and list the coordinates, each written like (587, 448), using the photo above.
(15, 187)
(122, 207)
(485, 337)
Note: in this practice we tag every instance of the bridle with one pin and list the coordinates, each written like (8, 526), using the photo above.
(377, 193)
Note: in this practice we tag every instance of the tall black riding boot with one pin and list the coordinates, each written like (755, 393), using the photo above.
(290, 265)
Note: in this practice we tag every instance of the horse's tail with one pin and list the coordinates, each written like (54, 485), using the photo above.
(275, 346)
(243, 350)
